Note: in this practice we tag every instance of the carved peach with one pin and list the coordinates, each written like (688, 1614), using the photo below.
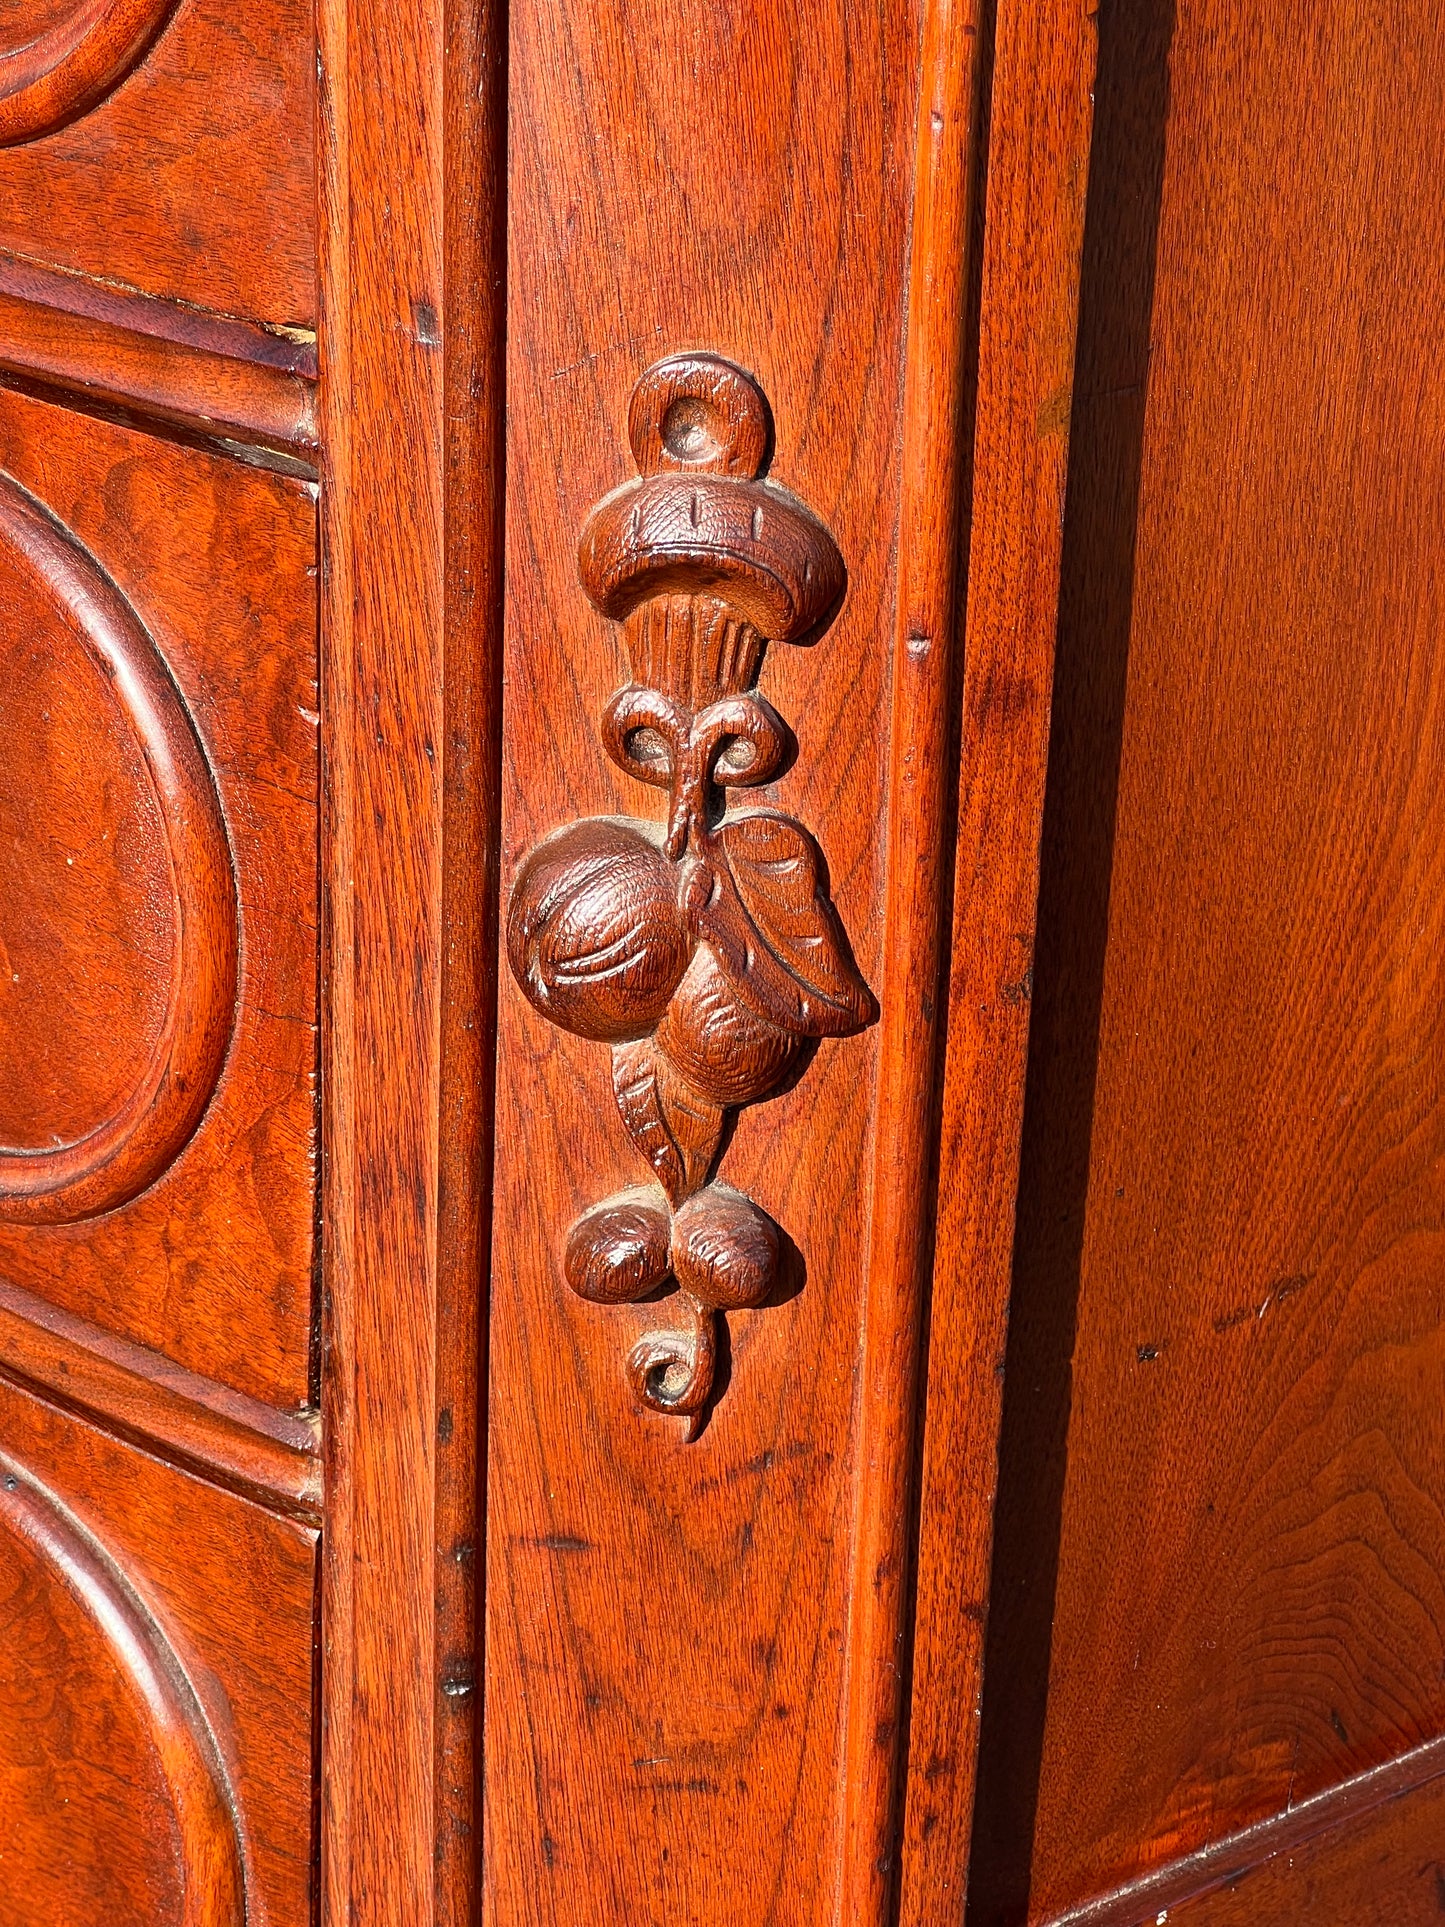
(724, 1050)
(617, 1252)
(724, 1250)
(594, 935)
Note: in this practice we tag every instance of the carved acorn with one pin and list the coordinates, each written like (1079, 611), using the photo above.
(594, 934)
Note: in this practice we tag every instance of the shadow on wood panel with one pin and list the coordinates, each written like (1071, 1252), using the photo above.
(1116, 299)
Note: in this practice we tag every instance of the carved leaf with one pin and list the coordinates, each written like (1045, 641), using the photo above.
(773, 929)
(676, 1129)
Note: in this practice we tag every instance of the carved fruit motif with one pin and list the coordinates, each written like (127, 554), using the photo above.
(707, 952)
(595, 936)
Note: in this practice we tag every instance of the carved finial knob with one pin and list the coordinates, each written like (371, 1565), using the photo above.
(701, 415)
(701, 558)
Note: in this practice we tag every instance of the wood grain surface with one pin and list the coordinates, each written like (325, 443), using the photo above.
(1218, 1586)
(664, 1620)
(411, 408)
(1039, 80)
(217, 562)
(156, 1671)
(1385, 1868)
(115, 1797)
(194, 177)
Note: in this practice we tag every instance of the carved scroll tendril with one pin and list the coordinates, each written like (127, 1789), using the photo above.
(706, 950)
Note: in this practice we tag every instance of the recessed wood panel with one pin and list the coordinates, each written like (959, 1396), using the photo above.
(77, 1025)
(1220, 1580)
(165, 147)
(118, 980)
(109, 914)
(155, 1690)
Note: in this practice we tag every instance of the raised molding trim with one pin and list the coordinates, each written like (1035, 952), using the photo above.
(1227, 1861)
(138, 1143)
(142, 1396)
(229, 382)
(211, 1870)
(56, 76)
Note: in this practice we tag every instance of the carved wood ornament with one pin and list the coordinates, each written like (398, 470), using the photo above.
(705, 950)
(49, 78)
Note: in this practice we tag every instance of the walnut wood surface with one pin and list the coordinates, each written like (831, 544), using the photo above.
(665, 1620)
(139, 1395)
(115, 1798)
(98, 361)
(155, 1671)
(1218, 1587)
(54, 67)
(192, 175)
(217, 563)
(1041, 65)
(411, 396)
(121, 932)
(1383, 1869)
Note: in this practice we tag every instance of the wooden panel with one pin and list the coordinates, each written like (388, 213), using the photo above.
(666, 1619)
(155, 1690)
(1222, 1542)
(1384, 1869)
(157, 1015)
(166, 148)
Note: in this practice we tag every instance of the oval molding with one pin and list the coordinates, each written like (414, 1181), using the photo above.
(74, 64)
(128, 1151)
(211, 1867)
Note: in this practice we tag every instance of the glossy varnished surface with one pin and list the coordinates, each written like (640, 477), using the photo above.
(155, 1690)
(665, 1620)
(170, 150)
(111, 918)
(1218, 1587)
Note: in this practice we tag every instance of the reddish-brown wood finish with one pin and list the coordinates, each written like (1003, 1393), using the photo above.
(1383, 1869)
(115, 1797)
(213, 573)
(62, 63)
(122, 946)
(411, 407)
(188, 173)
(1038, 129)
(666, 1620)
(783, 298)
(1220, 1579)
(155, 1673)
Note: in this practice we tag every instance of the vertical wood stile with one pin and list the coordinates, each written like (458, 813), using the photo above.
(1039, 126)
(410, 406)
(925, 649)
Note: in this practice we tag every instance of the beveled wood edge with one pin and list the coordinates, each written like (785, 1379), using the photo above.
(1034, 149)
(124, 351)
(147, 1399)
(1226, 1862)
(291, 349)
(927, 644)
